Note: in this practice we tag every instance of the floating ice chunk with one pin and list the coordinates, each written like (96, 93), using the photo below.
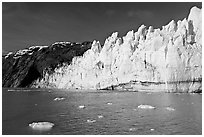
(11, 90)
(109, 103)
(82, 107)
(132, 129)
(151, 129)
(90, 121)
(41, 125)
(100, 116)
(170, 108)
(146, 107)
(18, 90)
(58, 99)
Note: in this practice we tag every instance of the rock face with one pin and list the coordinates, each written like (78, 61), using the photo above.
(22, 68)
(167, 59)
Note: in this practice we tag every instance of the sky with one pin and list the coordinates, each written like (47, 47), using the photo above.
(43, 23)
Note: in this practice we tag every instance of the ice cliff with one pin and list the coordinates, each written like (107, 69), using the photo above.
(167, 59)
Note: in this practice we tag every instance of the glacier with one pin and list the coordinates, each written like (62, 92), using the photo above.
(167, 59)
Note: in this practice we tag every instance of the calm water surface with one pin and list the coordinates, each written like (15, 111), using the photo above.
(119, 111)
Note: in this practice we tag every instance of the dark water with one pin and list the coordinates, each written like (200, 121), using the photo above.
(120, 117)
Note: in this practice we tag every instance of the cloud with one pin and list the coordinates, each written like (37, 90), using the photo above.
(140, 14)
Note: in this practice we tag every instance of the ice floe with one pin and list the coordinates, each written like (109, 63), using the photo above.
(109, 103)
(170, 109)
(81, 107)
(151, 129)
(18, 90)
(100, 116)
(146, 107)
(58, 99)
(132, 129)
(90, 121)
(41, 125)
(11, 90)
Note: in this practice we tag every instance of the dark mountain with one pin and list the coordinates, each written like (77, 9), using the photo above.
(21, 68)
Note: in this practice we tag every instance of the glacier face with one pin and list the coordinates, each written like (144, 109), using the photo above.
(167, 59)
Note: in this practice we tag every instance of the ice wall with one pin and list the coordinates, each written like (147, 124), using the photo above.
(170, 58)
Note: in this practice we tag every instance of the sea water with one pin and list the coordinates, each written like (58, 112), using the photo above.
(103, 112)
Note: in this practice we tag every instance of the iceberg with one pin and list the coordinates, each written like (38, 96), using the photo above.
(151, 129)
(90, 121)
(100, 116)
(82, 107)
(41, 125)
(132, 129)
(170, 109)
(109, 103)
(58, 99)
(145, 107)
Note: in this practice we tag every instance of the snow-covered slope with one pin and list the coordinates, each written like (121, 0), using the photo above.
(167, 59)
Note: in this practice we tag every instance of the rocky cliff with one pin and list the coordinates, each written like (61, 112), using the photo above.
(23, 67)
(166, 59)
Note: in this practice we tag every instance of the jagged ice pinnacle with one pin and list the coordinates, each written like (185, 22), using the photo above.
(164, 59)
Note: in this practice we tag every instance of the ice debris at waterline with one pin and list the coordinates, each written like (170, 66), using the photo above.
(90, 121)
(81, 107)
(151, 129)
(132, 129)
(170, 109)
(109, 103)
(167, 59)
(145, 107)
(41, 125)
(18, 90)
(100, 116)
(58, 99)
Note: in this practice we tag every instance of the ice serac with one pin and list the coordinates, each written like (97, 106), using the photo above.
(167, 59)
(195, 18)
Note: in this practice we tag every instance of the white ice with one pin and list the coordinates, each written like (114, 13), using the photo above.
(146, 107)
(41, 125)
(59, 98)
